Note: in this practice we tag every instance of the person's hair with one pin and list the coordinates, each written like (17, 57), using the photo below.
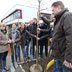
(2, 25)
(58, 3)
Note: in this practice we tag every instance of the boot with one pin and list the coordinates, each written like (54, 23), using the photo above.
(0, 67)
(4, 66)
(4, 70)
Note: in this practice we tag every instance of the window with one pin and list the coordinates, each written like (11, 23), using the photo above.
(14, 15)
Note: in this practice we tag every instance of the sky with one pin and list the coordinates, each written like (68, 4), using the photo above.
(6, 5)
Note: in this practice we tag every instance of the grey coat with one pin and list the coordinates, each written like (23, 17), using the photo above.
(3, 42)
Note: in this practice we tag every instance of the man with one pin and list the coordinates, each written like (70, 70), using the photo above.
(62, 38)
(34, 32)
(44, 33)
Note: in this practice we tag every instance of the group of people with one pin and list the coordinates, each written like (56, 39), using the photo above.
(26, 37)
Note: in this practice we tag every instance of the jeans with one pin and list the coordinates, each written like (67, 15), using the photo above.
(65, 69)
(26, 50)
(57, 66)
(15, 54)
(3, 59)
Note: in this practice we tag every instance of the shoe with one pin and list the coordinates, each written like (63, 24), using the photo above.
(4, 70)
(0, 70)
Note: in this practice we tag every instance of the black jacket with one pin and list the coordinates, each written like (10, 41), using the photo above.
(44, 32)
(23, 38)
(34, 32)
(62, 37)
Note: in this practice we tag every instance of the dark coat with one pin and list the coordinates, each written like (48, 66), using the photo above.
(44, 32)
(48, 28)
(23, 38)
(28, 36)
(34, 32)
(62, 37)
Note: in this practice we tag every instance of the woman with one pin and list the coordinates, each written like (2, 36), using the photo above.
(3, 47)
(14, 36)
(23, 40)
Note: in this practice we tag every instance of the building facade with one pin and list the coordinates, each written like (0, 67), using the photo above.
(18, 14)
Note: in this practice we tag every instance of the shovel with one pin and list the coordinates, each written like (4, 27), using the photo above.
(8, 59)
(49, 63)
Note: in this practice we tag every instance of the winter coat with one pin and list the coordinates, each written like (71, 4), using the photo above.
(62, 37)
(3, 42)
(17, 38)
(34, 32)
(48, 22)
(23, 38)
(45, 32)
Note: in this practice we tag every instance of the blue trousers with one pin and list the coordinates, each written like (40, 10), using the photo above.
(65, 69)
(59, 67)
(17, 53)
(3, 59)
(26, 50)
